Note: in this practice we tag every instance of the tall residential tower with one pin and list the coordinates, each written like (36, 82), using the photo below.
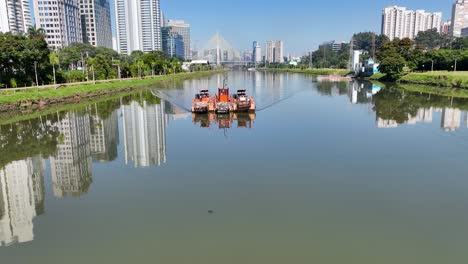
(60, 20)
(274, 51)
(459, 17)
(138, 25)
(15, 16)
(96, 22)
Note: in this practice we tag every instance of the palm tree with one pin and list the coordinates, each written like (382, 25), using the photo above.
(34, 33)
(53, 60)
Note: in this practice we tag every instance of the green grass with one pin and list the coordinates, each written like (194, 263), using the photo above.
(324, 71)
(438, 78)
(7, 96)
(376, 77)
(442, 91)
(59, 108)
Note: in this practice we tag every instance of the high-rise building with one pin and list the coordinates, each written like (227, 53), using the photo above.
(258, 57)
(71, 166)
(60, 20)
(144, 128)
(446, 27)
(254, 51)
(176, 39)
(172, 43)
(96, 22)
(15, 16)
(274, 51)
(459, 17)
(138, 25)
(398, 22)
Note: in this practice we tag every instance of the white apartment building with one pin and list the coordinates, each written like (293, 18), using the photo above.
(274, 52)
(459, 17)
(138, 25)
(61, 21)
(398, 22)
(15, 16)
(96, 22)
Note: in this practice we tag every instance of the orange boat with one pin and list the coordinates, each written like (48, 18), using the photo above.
(242, 103)
(222, 102)
(201, 102)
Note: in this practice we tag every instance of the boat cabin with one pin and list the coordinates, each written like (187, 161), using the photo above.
(223, 95)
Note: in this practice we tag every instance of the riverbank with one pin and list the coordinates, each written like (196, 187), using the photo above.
(458, 80)
(40, 98)
(324, 71)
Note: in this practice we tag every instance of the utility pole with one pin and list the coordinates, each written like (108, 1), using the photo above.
(351, 55)
(35, 70)
(310, 59)
(373, 46)
(432, 67)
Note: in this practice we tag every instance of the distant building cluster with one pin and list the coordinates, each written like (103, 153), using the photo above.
(139, 25)
(398, 22)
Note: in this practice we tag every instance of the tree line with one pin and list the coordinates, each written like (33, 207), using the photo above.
(26, 60)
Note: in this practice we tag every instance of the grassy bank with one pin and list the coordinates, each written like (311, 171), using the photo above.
(445, 91)
(8, 96)
(324, 71)
(439, 79)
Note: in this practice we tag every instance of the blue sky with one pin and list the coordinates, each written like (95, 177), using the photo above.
(302, 24)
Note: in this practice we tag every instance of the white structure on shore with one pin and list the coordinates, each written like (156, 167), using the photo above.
(398, 22)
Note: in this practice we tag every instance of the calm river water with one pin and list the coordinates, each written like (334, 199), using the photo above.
(323, 173)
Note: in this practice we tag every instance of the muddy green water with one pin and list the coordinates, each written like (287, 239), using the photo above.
(323, 173)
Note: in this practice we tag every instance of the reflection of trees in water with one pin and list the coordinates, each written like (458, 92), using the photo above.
(34, 137)
(332, 88)
(393, 103)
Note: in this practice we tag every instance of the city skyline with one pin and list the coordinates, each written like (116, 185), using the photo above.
(238, 31)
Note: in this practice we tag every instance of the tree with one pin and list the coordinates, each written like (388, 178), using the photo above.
(53, 59)
(430, 39)
(392, 65)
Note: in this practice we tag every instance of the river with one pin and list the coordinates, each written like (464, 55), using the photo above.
(322, 173)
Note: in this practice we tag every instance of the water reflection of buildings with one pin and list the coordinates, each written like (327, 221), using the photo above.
(21, 199)
(144, 128)
(104, 136)
(451, 119)
(71, 166)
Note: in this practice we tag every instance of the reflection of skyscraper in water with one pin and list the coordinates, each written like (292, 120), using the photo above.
(451, 119)
(104, 136)
(21, 199)
(144, 128)
(71, 166)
